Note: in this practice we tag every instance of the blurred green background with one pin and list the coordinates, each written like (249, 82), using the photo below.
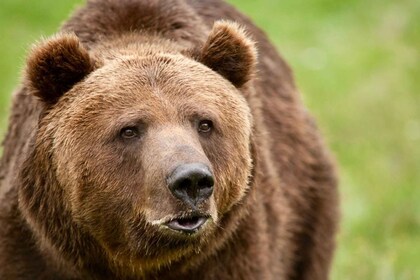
(357, 65)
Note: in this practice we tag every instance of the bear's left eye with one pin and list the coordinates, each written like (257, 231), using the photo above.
(205, 126)
(129, 132)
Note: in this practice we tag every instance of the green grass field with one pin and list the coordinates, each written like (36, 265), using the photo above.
(357, 65)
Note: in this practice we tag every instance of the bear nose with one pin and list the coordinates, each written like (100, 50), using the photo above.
(191, 183)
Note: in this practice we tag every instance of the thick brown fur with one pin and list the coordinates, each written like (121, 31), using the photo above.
(78, 201)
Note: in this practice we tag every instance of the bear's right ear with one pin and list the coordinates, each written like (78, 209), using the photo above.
(230, 52)
(56, 65)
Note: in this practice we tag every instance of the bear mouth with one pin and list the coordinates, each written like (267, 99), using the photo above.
(187, 225)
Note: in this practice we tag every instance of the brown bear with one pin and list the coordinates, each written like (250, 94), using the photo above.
(150, 141)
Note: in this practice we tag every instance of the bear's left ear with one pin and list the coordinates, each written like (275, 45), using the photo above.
(229, 52)
(56, 65)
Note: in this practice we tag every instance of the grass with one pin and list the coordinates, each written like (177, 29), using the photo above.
(357, 65)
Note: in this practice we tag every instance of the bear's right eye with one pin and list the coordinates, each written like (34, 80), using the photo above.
(129, 132)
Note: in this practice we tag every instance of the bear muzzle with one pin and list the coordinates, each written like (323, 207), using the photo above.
(191, 183)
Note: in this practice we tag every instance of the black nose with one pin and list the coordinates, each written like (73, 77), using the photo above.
(192, 183)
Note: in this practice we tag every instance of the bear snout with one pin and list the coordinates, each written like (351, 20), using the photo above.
(191, 183)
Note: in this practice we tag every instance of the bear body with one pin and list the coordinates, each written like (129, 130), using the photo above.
(149, 140)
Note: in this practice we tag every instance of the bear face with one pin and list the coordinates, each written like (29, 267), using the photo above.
(148, 150)
(163, 109)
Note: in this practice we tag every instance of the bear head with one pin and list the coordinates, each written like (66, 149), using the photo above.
(142, 152)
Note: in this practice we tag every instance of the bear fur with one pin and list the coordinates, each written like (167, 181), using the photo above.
(114, 103)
